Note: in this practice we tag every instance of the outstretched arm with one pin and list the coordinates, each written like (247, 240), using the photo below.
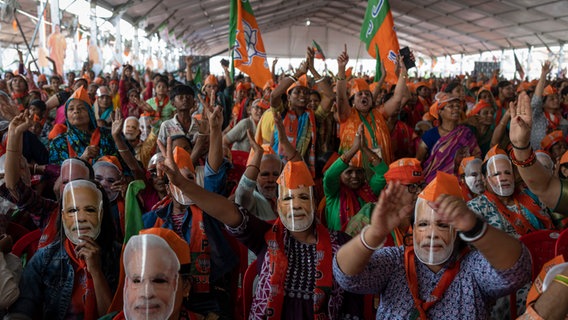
(343, 107)
(546, 67)
(400, 92)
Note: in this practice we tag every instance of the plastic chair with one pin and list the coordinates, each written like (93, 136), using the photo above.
(541, 245)
(562, 244)
(248, 283)
(26, 246)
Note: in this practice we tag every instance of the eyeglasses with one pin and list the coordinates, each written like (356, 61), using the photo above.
(415, 187)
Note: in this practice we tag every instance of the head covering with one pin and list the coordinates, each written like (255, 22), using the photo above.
(463, 164)
(243, 86)
(550, 139)
(82, 95)
(211, 80)
(42, 78)
(358, 85)
(524, 86)
(421, 84)
(374, 85)
(442, 99)
(99, 81)
(295, 175)
(493, 152)
(302, 82)
(444, 183)
(183, 159)
(261, 103)
(58, 129)
(549, 90)
(110, 161)
(103, 91)
(482, 104)
(178, 245)
(405, 170)
(564, 158)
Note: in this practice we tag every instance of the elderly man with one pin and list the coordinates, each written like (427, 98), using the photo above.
(143, 149)
(295, 253)
(438, 277)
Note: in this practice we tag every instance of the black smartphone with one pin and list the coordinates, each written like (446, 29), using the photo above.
(225, 62)
(408, 62)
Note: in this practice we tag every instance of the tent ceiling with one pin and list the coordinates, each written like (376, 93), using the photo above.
(432, 27)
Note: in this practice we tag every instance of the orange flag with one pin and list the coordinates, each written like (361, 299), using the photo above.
(248, 52)
(378, 29)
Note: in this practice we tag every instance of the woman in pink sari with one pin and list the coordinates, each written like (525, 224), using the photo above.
(444, 147)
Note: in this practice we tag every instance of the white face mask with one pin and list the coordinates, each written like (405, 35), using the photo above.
(295, 208)
(473, 178)
(81, 211)
(500, 175)
(433, 241)
(179, 196)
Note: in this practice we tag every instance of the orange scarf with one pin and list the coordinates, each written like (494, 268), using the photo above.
(420, 306)
(85, 292)
(300, 139)
(278, 264)
(95, 139)
(519, 222)
(553, 123)
(349, 202)
(199, 251)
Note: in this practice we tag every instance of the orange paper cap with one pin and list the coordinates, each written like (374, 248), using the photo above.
(302, 82)
(82, 94)
(442, 99)
(295, 175)
(444, 183)
(178, 245)
(56, 131)
(183, 159)
(463, 164)
(482, 104)
(524, 86)
(358, 85)
(243, 86)
(267, 150)
(549, 90)
(405, 170)
(263, 104)
(211, 79)
(112, 160)
(42, 78)
(564, 158)
(550, 139)
(493, 152)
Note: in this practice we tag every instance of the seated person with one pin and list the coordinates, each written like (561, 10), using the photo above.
(471, 179)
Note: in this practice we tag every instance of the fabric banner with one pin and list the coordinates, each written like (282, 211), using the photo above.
(519, 67)
(378, 29)
(318, 52)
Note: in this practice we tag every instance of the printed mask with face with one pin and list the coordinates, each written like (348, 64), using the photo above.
(473, 177)
(107, 173)
(500, 175)
(81, 210)
(433, 240)
(152, 273)
(545, 160)
(145, 127)
(295, 208)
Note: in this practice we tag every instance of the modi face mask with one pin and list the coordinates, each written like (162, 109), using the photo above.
(500, 175)
(151, 278)
(473, 178)
(433, 240)
(81, 210)
(296, 208)
(145, 127)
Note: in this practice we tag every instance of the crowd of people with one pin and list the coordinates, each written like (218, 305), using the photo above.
(151, 194)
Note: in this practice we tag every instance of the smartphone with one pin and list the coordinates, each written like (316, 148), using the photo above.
(408, 62)
(225, 62)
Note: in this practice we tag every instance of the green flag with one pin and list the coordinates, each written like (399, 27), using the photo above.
(198, 78)
(132, 211)
(318, 52)
(378, 72)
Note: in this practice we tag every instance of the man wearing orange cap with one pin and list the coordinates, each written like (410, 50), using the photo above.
(364, 111)
(514, 212)
(546, 111)
(291, 252)
(345, 185)
(427, 280)
(555, 144)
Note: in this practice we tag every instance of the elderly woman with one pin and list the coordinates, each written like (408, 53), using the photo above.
(443, 147)
(83, 138)
(74, 277)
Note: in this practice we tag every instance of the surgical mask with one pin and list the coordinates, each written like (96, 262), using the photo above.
(296, 209)
(433, 240)
(498, 168)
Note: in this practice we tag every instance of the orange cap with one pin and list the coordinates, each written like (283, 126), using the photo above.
(482, 104)
(524, 86)
(56, 131)
(444, 183)
(550, 139)
(267, 150)
(358, 85)
(411, 87)
(42, 78)
(493, 152)
(295, 175)
(178, 245)
(183, 159)
(87, 77)
(421, 84)
(211, 79)
(442, 99)
(405, 170)
(99, 81)
(81, 94)
(549, 90)
(243, 86)
(263, 104)
(564, 158)
(302, 82)
(372, 86)
(112, 160)
(463, 164)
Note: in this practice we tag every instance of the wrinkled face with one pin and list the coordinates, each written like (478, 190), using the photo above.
(500, 176)
(507, 92)
(433, 240)
(486, 96)
(184, 102)
(486, 116)
(451, 111)
(107, 176)
(363, 100)
(131, 129)
(256, 112)
(161, 88)
(266, 180)
(296, 208)
(150, 287)
(104, 101)
(558, 149)
(298, 97)
(353, 177)
(158, 182)
(81, 213)
(314, 101)
(77, 114)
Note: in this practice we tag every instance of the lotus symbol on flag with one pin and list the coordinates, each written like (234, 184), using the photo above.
(251, 36)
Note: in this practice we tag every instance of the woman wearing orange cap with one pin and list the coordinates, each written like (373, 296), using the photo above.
(483, 115)
(443, 147)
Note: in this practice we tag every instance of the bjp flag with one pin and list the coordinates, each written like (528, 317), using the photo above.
(378, 29)
(248, 51)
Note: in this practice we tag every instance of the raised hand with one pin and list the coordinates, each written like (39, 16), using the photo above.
(215, 117)
(393, 207)
(546, 67)
(302, 69)
(343, 59)
(117, 124)
(256, 148)
(89, 251)
(21, 123)
(168, 166)
(454, 211)
(521, 121)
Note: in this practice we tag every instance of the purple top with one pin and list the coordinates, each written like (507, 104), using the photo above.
(470, 296)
